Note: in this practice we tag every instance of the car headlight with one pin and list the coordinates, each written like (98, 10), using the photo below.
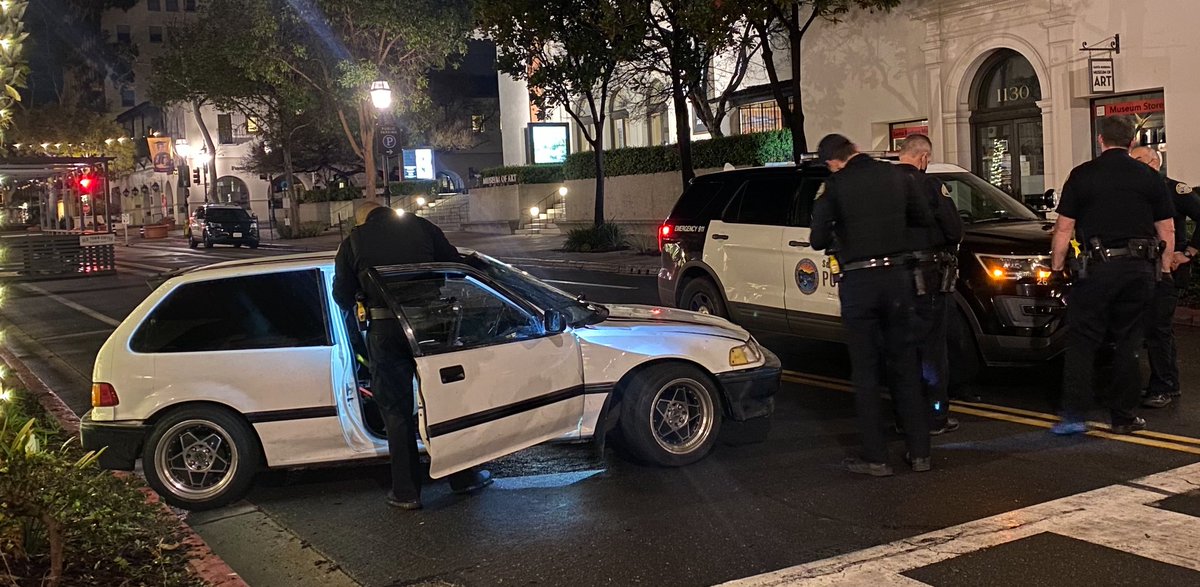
(746, 354)
(1016, 267)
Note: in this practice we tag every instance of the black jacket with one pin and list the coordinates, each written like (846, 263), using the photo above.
(947, 228)
(385, 239)
(869, 206)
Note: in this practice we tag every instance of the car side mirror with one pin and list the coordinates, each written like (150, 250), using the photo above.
(554, 322)
(1050, 199)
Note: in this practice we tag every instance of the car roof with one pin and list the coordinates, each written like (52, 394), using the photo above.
(238, 267)
(788, 167)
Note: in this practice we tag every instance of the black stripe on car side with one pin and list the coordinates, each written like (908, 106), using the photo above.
(293, 414)
(533, 403)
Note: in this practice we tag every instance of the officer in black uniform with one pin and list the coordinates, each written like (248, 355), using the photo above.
(383, 237)
(1120, 212)
(939, 272)
(1160, 335)
(868, 206)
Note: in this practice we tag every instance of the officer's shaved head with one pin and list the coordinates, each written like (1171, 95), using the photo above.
(916, 150)
(1146, 155)
(364, 210)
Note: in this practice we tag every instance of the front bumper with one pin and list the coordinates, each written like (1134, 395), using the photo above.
(750, 393)
(121, 441)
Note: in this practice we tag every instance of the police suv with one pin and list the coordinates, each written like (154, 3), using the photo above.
(737, 245)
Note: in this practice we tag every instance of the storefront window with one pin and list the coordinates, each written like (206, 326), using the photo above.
(1149, 114)
(759, 117)
(900, 131)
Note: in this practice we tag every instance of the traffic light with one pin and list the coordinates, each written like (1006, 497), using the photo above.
(196, 175)
(85, 184)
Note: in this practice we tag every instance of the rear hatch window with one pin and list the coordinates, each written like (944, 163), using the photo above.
(701, 202)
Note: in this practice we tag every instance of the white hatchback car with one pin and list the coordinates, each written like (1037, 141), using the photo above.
(237, 366)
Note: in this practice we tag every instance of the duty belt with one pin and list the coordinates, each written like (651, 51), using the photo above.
(381, 314)
(892, 261)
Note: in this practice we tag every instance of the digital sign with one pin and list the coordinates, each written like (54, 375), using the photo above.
(548, 142)
(418, 164)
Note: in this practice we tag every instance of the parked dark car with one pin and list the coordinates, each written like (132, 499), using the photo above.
(222, 224)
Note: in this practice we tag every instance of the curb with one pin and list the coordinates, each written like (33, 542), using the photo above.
(202, 560)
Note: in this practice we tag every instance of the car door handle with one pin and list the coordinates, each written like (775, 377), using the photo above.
(720, 237)
(452, 374)
(798, 244)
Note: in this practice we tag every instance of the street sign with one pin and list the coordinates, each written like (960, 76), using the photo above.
(125, 218)
(389, 140)
(1103, 80)
(96, 240)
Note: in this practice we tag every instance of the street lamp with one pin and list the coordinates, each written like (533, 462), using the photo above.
(381, 97)
(562, 191)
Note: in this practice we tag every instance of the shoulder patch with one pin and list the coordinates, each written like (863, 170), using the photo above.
(820, 191)
(945, 190)
(1183, 189)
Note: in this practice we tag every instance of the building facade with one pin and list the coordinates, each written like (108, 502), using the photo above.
(1003, 87)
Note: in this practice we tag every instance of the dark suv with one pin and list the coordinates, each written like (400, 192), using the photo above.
(737, 245)
(222, 224)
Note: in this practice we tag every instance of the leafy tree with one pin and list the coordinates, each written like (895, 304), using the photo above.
(794, 18)
(72, 58)
(342, 46)
(73, 132)
(569, 52)
(13, 68)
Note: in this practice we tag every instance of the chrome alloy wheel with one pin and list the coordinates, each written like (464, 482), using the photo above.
(681, 417)
(196, 458)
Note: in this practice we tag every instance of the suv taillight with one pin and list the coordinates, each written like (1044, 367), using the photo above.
(104, 395)
(664, 231)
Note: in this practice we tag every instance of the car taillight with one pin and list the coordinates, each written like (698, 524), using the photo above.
(664, 231)
(104, 395)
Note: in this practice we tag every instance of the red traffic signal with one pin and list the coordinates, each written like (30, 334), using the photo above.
(85, 183)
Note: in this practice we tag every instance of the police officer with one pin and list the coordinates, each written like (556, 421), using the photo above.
(939, 269)
(1119, 211)
(384, 237)
(1160, 336)
(868, 206)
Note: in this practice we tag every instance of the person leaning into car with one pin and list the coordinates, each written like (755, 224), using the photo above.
(382, 237)
(868, 205)
(1160, 334)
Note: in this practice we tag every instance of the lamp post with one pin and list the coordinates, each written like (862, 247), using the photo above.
(202, 159)
(184, 150)
(381, 98)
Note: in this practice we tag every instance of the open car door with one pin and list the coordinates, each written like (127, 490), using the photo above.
(495, 373)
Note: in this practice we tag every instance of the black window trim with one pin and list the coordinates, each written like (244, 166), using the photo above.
(330, 340)
(791, 222)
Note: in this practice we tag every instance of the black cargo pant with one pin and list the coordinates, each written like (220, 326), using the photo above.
(1160, 335)
(932, 309)
(1109, 305)
(392, 370)
(879, 317)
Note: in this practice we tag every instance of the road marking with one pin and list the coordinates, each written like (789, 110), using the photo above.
(1131, 523)
(109, 320)
(588, 284)
(1020, 416)
(58, 337)
(145, 267)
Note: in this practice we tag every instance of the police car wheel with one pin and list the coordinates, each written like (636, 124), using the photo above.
(965, 363)
(670, 415)
(701, 295)
(201, 457)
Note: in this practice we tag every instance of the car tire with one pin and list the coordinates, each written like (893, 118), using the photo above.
(963, 351)
(192, 242)
(187, 445)
(658, 403)
(701, 295)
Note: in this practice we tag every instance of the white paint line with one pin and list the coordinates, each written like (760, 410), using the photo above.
(86, 334)
(144, 267)
(559, 281)
(109, 320)
(1117, 516)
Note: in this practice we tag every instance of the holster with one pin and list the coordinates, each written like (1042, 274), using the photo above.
(948, 273)
(835, 269)
(918, 271)
(1079, 266)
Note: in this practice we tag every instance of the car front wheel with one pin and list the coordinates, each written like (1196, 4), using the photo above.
(200, 458)
(701, 295)
(670, 415)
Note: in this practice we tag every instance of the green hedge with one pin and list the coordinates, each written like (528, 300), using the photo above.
(741, 150)
(411, 187)
(331, 194)
(541, 173)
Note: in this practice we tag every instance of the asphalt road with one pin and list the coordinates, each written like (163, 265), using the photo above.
(562, 515)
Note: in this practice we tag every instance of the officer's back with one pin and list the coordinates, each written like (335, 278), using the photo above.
(867, 197)
(1113, 197)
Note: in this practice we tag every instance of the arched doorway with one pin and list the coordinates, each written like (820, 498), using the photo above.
(1006, 125)
(232, 190)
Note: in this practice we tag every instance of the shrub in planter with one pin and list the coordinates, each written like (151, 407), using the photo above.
(413, 188)
(741, 150)
(528, 174)
(596, 239)
(63, 521)
(306, 230)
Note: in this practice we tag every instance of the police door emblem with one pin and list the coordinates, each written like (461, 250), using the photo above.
(807, 276)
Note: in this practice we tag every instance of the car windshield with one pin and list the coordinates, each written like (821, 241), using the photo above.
(574, 309)
(979, 201)
(226, 215)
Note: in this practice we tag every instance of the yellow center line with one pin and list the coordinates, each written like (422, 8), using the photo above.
(1021, 416)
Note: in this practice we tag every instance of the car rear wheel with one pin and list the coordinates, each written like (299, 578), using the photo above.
(200, 458)
(965, 362)
(701, 295)
(670, 415)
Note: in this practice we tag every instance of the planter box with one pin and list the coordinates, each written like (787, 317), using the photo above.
(151, 231)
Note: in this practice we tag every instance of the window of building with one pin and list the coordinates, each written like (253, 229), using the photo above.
(277, 310)
(231, 190)
(156, 34)
(477, 123)
(172, 5)
(154, 5)
(123, 34)
(189, 5)
(900, 131)
(1149, 115)
(620, 133)
(128, 98)
(657, 125)
(759, 117)
(233, 128)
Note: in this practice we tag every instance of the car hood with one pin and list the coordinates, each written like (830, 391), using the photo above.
(1026, 237)
(650, 319)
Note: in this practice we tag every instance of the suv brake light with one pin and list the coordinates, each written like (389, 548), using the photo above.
(664, 231)
(104, 395)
